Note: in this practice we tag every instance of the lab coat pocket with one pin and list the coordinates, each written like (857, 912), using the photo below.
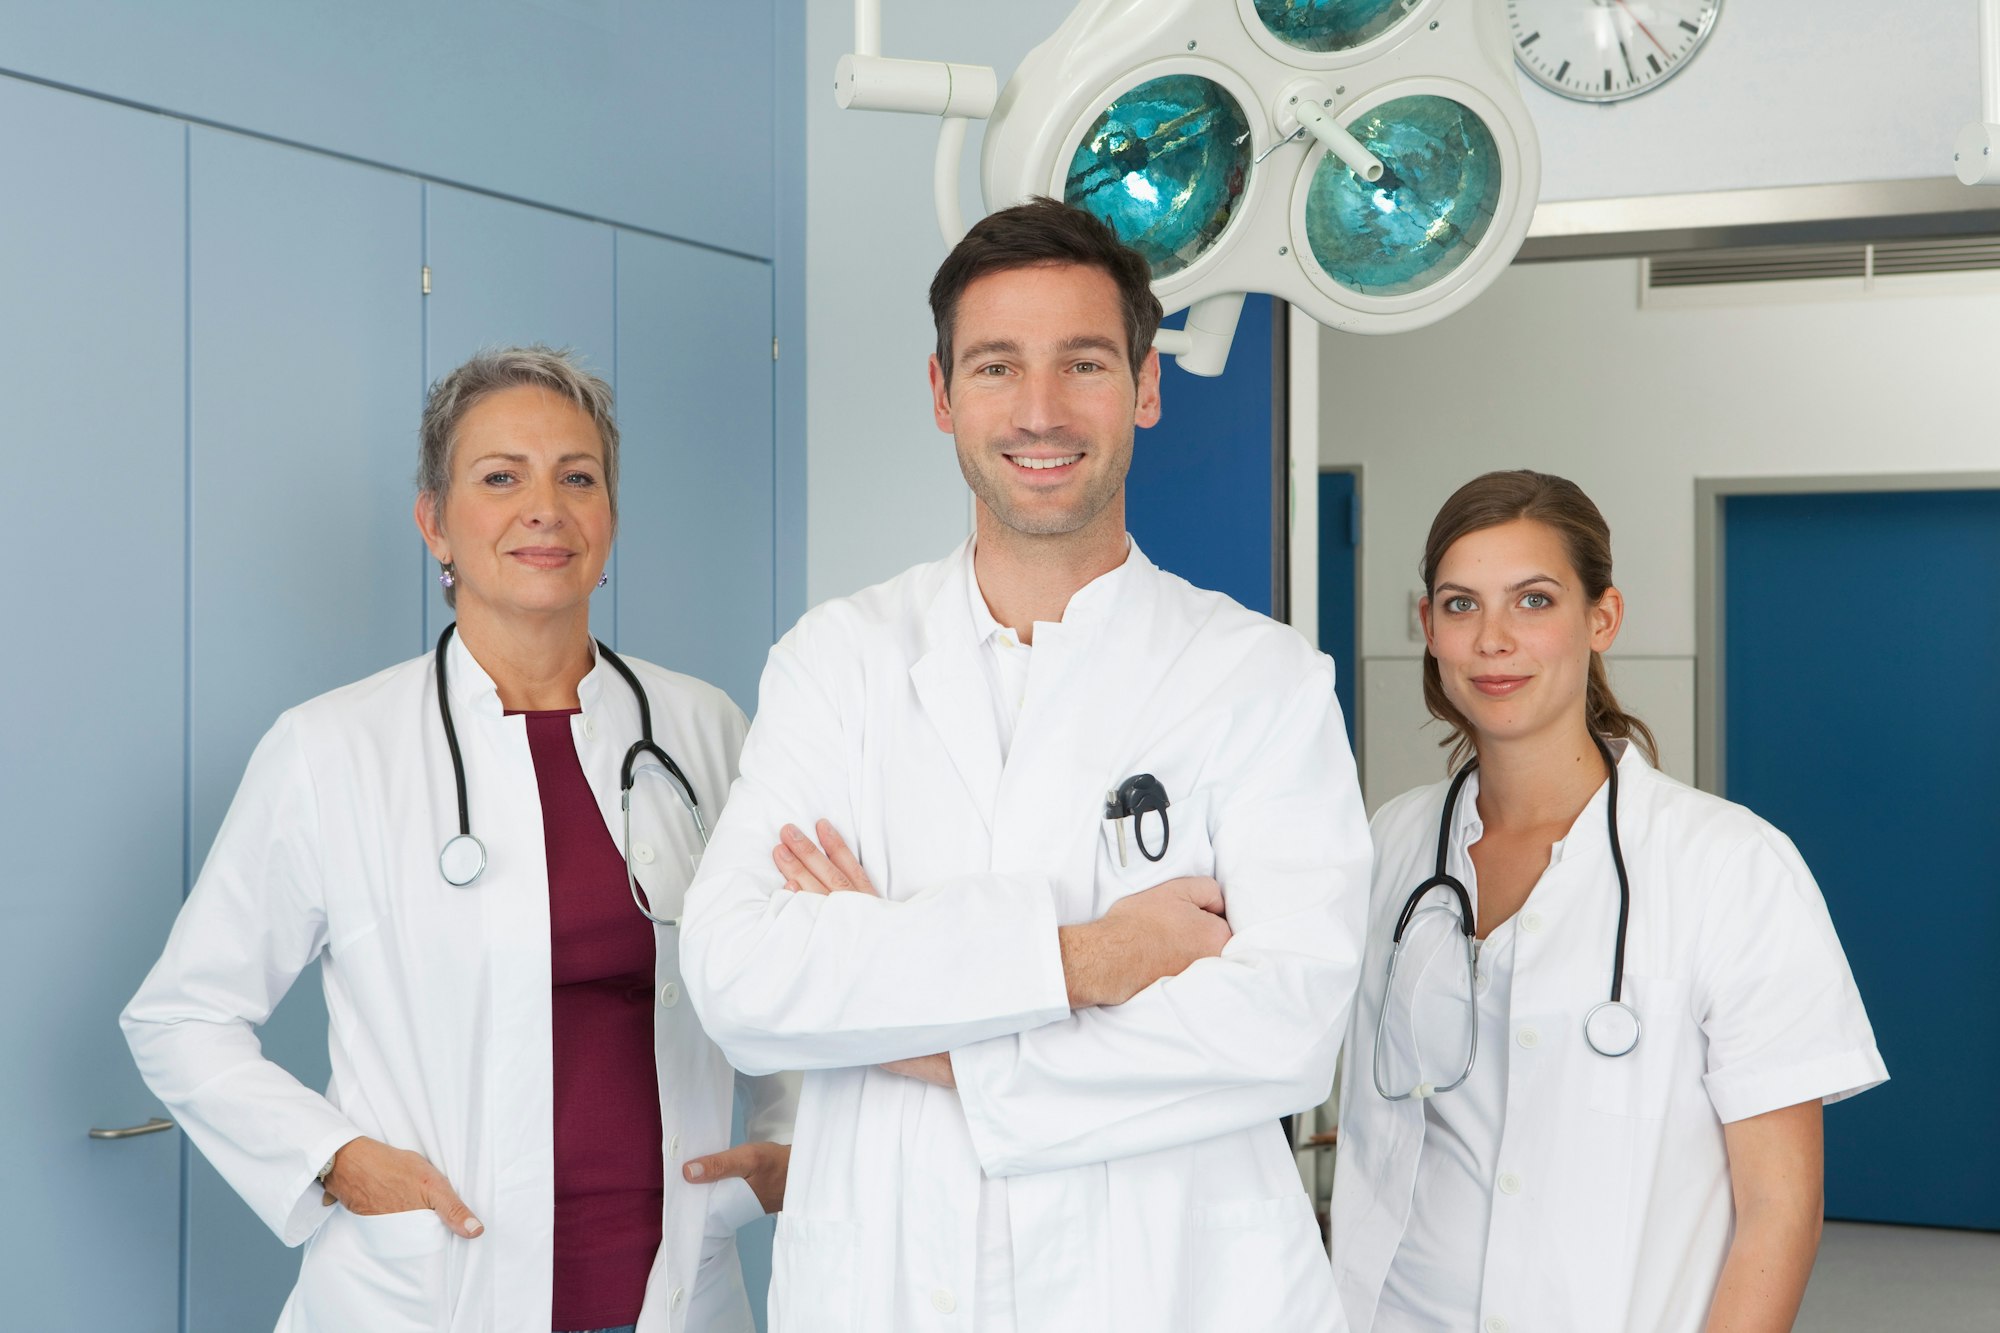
(383, 1273)
(1123, 868)
(813, 1275)
(1640, 1083)
(1258, 1263)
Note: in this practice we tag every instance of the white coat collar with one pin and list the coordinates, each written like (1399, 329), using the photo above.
(474, 694)
(1093, 600)
(950, 680)
(1467, 828)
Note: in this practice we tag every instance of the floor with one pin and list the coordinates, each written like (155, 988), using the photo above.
(1906, 1279)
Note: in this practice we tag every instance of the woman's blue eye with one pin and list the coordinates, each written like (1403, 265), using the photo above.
(1535, 601)
(498, 478)
(1458, 604)
(582, 479)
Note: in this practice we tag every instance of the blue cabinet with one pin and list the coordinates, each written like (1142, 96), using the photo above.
(91, 781)
(304, 370)
(693, 579)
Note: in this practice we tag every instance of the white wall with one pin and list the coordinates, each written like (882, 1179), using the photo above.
(1786, 92)
(884, 490)
(1558, 368)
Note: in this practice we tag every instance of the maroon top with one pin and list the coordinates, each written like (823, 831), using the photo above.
(609, 1178)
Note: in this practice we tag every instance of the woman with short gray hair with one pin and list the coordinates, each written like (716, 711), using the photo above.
(526, 1129)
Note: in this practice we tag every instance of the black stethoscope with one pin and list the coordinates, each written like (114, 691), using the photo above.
(463, 858)
(1611, 1027)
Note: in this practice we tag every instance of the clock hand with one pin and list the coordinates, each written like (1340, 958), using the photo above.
(1630, 73)
(1642, 28)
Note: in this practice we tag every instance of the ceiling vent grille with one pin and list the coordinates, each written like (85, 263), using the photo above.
(1807, 263)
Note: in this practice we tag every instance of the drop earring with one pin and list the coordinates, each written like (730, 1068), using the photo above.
(603, 579)
(446, 575)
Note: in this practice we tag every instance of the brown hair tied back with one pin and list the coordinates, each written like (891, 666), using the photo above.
(1503, 497)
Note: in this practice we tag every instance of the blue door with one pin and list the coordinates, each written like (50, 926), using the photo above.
(1339, 548)
(694, 585)
(1862, 633)
(305, 338)
(92, 372)
(1201, 499)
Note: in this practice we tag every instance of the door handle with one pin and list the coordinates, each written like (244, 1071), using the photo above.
(153, 1126)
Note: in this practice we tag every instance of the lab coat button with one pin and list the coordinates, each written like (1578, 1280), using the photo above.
(674, 1147)
(1509, 1183)
(1529, 1038)
(642, 853)
(1495, 1324)
(670, 994)
(1531, 922)
(680, 1295)
(943, 1301)
(590, 728)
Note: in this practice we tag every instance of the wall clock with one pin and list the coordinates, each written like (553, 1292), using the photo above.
(1607, 50)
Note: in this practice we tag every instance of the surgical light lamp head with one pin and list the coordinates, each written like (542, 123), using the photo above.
(1369, 161)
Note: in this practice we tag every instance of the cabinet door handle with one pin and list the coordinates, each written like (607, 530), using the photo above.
(153, 1126)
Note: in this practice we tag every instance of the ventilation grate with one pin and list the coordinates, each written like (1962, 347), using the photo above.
(1765, 263)
(1801, 263)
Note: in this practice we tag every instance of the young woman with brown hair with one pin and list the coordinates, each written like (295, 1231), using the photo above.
(1600, 1010)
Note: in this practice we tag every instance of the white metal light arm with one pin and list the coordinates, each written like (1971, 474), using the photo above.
(866, 80)
(1976, 155)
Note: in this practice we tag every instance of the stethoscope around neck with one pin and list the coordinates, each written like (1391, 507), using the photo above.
(1611, 1027)
(462, 860)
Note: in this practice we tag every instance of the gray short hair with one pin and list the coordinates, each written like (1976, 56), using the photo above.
(491, 369)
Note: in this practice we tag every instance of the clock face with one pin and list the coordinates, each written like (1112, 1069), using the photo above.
(1605, 50)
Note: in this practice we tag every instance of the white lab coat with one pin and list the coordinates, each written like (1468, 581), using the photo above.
(1148, 1186)
(1612, 1209)
(438, 1002)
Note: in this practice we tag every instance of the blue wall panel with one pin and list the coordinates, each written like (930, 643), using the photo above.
(694, 576)
(653, 115)
(1199, 498)
(305, 331)
(1339, 551)
(1862, 632)
(92, 369)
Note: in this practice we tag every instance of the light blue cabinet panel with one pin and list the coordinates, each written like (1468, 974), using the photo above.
(305, 334)
(92, 450)
(693, 579)
(504, 273)
(653, 115)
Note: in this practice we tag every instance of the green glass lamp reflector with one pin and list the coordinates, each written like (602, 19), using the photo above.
(1331, 25)
(1429, 212)
(1164, 166)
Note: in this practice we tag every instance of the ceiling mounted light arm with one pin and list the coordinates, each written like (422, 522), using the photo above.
(866, 80)
(1976, 155)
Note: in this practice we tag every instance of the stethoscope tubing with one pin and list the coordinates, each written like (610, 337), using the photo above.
(640, 748)
(1441, 878)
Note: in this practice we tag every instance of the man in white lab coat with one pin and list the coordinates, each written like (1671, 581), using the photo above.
(1049, 1028)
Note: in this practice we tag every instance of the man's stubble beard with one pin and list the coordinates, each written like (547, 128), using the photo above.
(992, 492)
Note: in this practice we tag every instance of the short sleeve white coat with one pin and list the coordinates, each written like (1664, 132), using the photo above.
(1619, 1213)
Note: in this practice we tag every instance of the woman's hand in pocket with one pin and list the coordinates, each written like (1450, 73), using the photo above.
(370, 1178)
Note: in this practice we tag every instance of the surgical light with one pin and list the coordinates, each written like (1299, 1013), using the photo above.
(1369, 161)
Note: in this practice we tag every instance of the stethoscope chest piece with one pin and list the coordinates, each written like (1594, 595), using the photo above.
(462, 860)
(1612, 1028)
